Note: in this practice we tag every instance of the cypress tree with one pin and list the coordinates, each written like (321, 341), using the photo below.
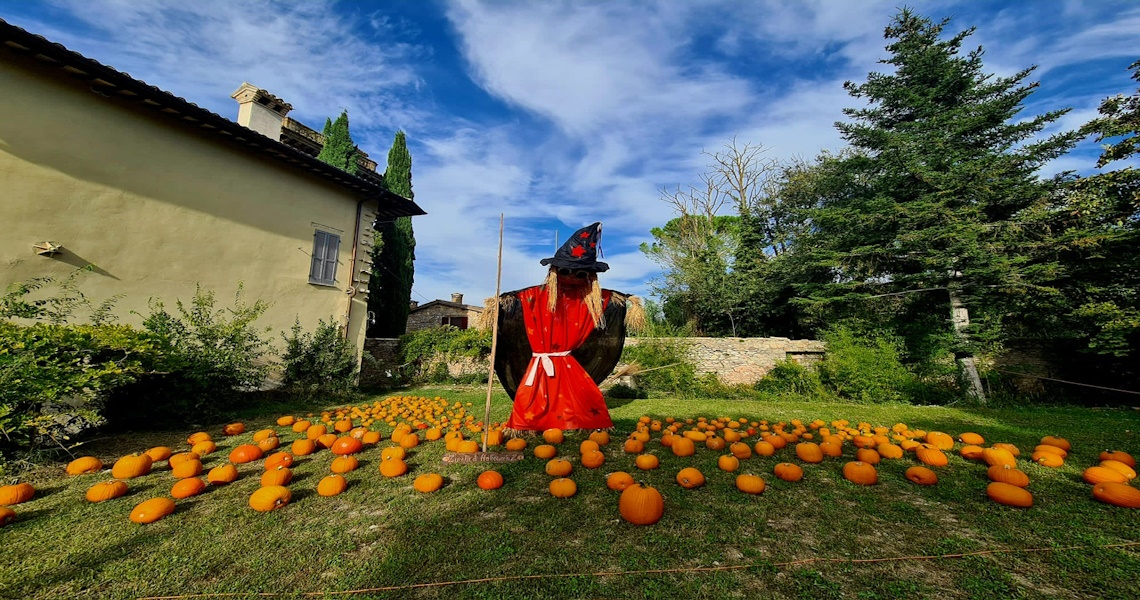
(393, 257)
(339, 149)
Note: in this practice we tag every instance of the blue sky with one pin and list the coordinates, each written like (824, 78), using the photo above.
(561, 113)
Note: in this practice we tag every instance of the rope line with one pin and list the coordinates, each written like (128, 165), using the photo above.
(792, 563)
(1099, 387)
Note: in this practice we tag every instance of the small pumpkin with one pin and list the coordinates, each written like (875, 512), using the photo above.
(106, 490)
(270, 498)
(303, 447)
(683, 446)
(371, 438)
(861, 473)
(632, 446)
(1009, 495)
(412, 440)
(191, 486)
(545, 451)
(286, 421)
(641, 504)
(179, 458)
(152, 510)
(342, 426)
(646, 462)
(1052, 449)
(234, 429)
(246, 453)
(489, 480)
(889, 450)
(740, 450)
(326, 440)
(587, 446)
(763, 448)
(809, 452)
(1119, 456)
(1048, 459)
(204, 447)
(516, 444)
(1095, 475)
(428, 482)
(750, 484)
(690, 478)
(280, 476)
(131, 466)
(200, 436)
(7, 516)
(278, 459)
(393, 452)
(462, 447)
(971, 452)
(553, 436)
(159, 453)
(728, 463)
(619, 480)
(188, 468)
(316, 431)
(921, 475)
(788, 472)
(1007, 474)
(931, 456)
(1125, 470)
(301, 426)
(1117, 494)
(345, 464)
(84, 464)
(835, 450)
(558, 467)
(332, 485)
(940, 440)
(867, 455)
(563, 488)
(593, 459)
(346, 445)
(1060, 442)
(1014, 450)
(222, 475)
(393, 467)
(995, 456)
(971, 439)
(263, 434)
(601, 437)
(269, 444)
(715, 443)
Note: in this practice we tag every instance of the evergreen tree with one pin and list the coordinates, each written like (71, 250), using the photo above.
(339, 149)
(393, 257)
(941, 193)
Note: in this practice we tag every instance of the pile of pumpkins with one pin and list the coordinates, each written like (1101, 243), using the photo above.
(345, 432)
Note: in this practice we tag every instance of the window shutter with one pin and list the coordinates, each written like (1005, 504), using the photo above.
(316, 269)
(332, 249)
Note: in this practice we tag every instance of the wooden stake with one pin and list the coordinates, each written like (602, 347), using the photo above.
(494, 340)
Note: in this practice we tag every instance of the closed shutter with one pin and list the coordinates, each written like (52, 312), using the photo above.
(322, 268)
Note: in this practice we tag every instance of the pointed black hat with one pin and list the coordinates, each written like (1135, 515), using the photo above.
(580, 252)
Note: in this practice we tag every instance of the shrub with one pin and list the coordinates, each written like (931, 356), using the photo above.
(864, 368)
(662, 365)
(322, 360)
(426, 352)
(790, 377)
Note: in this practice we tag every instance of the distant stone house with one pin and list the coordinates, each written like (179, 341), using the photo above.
(441, 312)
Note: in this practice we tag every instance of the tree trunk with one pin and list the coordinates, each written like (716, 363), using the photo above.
(960, 316)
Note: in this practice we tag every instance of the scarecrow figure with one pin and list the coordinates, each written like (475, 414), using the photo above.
(558, 341)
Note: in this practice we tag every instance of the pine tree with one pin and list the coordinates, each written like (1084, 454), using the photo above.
(942, 189)
(393, 260)
(339, 149)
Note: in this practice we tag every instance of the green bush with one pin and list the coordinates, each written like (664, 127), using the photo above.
(662, 365)
(426, 352)
(864, 368)
(322, 360)
(790, 377)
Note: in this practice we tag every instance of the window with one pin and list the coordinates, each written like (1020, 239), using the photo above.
(326, 245)
(460, 322)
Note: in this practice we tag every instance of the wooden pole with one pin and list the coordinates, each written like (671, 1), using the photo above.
(494, 340)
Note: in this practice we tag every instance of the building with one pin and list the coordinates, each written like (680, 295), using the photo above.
(161, 195)
(441, 312)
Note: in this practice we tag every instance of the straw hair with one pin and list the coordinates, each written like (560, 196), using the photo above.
(634, 315)
(593, 298)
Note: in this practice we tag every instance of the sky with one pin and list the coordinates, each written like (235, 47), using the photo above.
(557, 113)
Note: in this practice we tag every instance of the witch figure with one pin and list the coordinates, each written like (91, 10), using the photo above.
(558, 341)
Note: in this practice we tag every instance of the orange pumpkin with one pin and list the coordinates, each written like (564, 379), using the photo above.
(683, 446)
(1007, 447)
(270, 498)
(788, 472)
(715, 443)
(563, 488)
(191, 486)
(345, 464)
(268, 444)
(200, 436)
(1119, 456)
(940, 440)
(921, 475)
(516, 444)
(690, 478)
(809, 452)
(553, 436)
(84, 464)
(428, 483)
(370, 438)
(558, 467)
(303, 447)
(971, 439)
(131, 466)
(489, 480)
(412, 440)
(1095, 475)
(995, 455)
(763, 448)
(971, 452)
(931, 456)
(246, 453)
(632, 446)
(152, 510)
(646, 462)
(740, 450)
(204, 447)
(234, 429)
(1009, 495)
(587, 446)
(861, 473)
(301, 426)
(159, 453)
(1007, 474)
(279, 476)
(222, 475)
(286, 421)
(393, 467)
(835, 450)
(188, 468)
(7, 516)
(619, 480)
(332, 485)
(1117, 494)
(278, 459)
(728, 463)
(349, 445)
(1060, 442)
(750, 484)
(545, 451)
(106, 490)
(1048, 459)
(641, 504)
(316, 431)
(393, 452)
(889, 450)
(601, 437)
(593, 459)
(868, 456)
(326, 440)
(1052, 449)
(263, 434)
(1125, 470)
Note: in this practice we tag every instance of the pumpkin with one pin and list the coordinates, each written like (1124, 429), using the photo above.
(1060, 442)
(931, 456)
(788, 472)
(326, 440)
(346, 445)
(84, 464)
(971, 439)
(553, 436)
(683, 446)
(106, 490)
(632, 446)
(910, 445)
(777, 442)
(204, 447)
(1007, 474)
(131, 466)
(433, 434)
(593, 459)
(286, 421)
(889, 450)
(940, 440)
(393, 467)
(191, 486)
(868, 456)
(715, 443)
(971, 452)
(234, 429)
(152, 510)
(345, 464)
(222, 475)
(1119, 456)
(463, 447)
(393, 452)
(1048, 459)
(921, 475)
(489, 480)
(181, 457)
(1008, 447)
(278, 459)
(412, 440)
(545, 451)
(763, 448)
(835, 450)
(268, 444)
(1009, 495)
(263, 434)
(187, 468)
(516, 444)
(587, 446)
(200, 436)
(667, 440)
(601, 437)
(641, 504)
(750, 484)
(303, 447)
(279, 476)
(270, 498)
(995, 455)
(1117, 494)
(1123, 469)
(428, 482)
(728, 463)
(332, 485)
(861, 473)
(558, 467)
(646, 462)
(563, 488)
(809, 452)
(301, 426)
(159, 453)
(342, 426)
(1095, 475)
(316, 431)
(863, 441)
(370, 438)
(619, 480)
(690, 478)
(1052, 449)
(740, 450)
(7, 516)
(246, 453)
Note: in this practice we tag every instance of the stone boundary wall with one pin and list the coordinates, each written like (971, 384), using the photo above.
(733, 360)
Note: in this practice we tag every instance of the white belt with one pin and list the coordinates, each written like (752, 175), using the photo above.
(547, 365)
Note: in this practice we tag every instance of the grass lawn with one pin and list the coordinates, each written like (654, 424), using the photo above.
(381, 533)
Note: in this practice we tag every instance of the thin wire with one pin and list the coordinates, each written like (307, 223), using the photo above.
(1099, 387)
(793, 563)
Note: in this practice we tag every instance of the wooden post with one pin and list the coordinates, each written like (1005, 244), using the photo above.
(494, 340)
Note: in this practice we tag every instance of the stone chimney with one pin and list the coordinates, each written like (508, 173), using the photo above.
(260, 111)
(412, 304)
(457, 298)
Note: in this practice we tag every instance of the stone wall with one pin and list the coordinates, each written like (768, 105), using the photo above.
(431, 316)
(380, 358)
(734, 360)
